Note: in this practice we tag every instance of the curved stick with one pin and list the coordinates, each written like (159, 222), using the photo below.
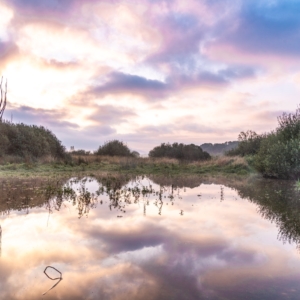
(3, 99)
(58, 278)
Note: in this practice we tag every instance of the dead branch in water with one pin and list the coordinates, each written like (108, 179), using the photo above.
(3, 98)
(58, 278)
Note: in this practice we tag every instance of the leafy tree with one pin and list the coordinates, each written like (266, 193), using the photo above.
(135, 154)
(276, 154)
(289, 125)
(219, 148)
(114, 148)
(179, 151)
(81, 152)
(278, 158)
(29, 141)
(279, 153)
(249, 143)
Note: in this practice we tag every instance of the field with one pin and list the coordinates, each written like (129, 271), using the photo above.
(131, 165)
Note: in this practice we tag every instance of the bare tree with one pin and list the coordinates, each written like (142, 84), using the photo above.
(3, 98)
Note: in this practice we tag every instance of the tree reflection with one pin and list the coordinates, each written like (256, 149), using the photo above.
(277, 201)
(120, 191)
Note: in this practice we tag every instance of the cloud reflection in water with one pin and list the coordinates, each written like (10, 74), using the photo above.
(221, 248)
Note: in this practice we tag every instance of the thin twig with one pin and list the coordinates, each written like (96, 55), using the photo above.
(3, 98)
(58, 278)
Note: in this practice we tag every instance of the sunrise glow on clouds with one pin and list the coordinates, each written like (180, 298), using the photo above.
(150, 71)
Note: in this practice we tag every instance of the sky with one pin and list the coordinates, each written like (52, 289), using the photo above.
(150, 71)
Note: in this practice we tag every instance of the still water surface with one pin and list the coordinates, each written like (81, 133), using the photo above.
(150, 238)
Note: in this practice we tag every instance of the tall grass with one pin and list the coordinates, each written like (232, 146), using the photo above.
(216, 164)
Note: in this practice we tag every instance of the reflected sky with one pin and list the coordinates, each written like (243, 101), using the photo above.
(206, 241)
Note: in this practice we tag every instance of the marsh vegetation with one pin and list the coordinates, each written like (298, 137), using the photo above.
(94, 164)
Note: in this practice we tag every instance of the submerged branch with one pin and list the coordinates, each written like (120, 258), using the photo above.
(58, 278)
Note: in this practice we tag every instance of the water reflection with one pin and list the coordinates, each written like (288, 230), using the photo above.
(278, 201)
(21, 195)
(150, 238)
(120, 192)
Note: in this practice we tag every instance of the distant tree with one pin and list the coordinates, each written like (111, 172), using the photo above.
(249, 143)
(114, 148)
(80, 152)
(219, 148)
(179, 151)
(135, 154)
(3, 99)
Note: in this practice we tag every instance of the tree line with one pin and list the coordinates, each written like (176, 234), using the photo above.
(176, 150)
(219, 148)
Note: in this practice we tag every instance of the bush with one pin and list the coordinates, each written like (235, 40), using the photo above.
(276, 154)
(278, 158)
(114, 148)
(135, 154)
(179, 151)
(249, 144)
(81, 152)
(289, 125)
(29, 141)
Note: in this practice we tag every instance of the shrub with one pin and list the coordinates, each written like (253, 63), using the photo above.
(249, 144)
(276, 154)
(279, 153)
(135, 154)
(81, 152)
(278, 158)
(179, 151)
(29, 141)
(289, 125)
(114, 148)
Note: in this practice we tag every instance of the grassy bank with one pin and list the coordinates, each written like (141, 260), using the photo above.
(93, 164)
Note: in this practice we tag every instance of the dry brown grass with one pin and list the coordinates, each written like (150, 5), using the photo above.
(216, 161)
(118, 160)
(222, 161)
(127, 165)
(13, 159)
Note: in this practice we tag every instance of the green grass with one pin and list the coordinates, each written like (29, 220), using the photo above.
(135, 166)
(297, 185)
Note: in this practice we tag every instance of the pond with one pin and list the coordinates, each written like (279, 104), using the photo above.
(116, 237)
